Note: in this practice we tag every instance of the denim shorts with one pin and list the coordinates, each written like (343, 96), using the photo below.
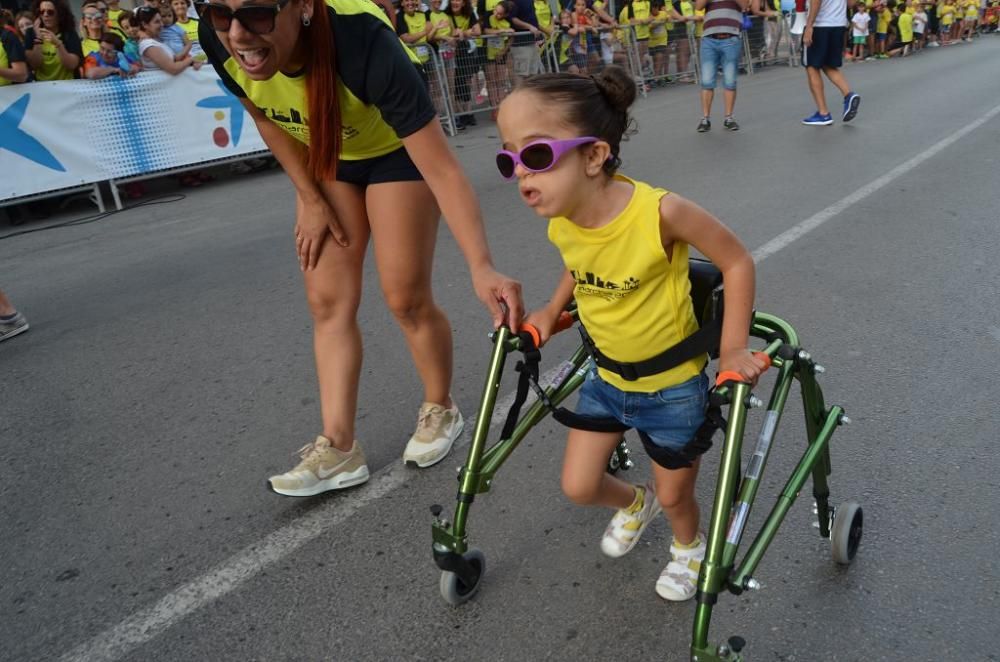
(716, 52)
(666, 419)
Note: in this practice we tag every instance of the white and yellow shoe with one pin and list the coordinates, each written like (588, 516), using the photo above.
(627, 525)
(323, 468)
(437, 430)
(679, 580)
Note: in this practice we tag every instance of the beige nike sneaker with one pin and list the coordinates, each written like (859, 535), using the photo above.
(437, 430)
(323, 468)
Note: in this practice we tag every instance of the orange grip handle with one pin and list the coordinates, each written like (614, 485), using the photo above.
(732, 376)
(564, 322)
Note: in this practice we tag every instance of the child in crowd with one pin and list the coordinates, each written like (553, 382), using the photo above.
(971, 19)
(174, 35)
(658, 18)
(859, 30)
(946, 14)
(903, 31)
(499, 72)
(625, 247)
(129, 26)
(109, 60)
(919, 28)
(184, 21)
(883, 11)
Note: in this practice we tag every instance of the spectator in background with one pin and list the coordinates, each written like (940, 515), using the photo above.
(24, 20)
(415, 29)
(11, 321)
(823, 53)
(469, 57)
(859, 30)
(919, 27)
(54, 51)
(173, 35)
(128, 26)
(113, 12)
(93, 28)
(183, 20)
(155, 54)
(109, 60)
(721, 47)
(498, 45)
(527, 61)
(13, 67)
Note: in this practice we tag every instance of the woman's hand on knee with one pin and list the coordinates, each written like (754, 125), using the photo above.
(314, 221)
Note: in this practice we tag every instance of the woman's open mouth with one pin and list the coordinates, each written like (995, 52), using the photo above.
(252, 59)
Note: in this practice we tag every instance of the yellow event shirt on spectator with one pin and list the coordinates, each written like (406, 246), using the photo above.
(543, 12)
(658, 30)
(190, 29)
(947, 12)
(52, 68)
(496, 44)
(884, 18)
(381, 96)
(972, 10)
(633, 300)
(113, 26)
(465, 23)
(905, 27)
(442, 19)
(90, 46)
(416, 24)
(640, 11)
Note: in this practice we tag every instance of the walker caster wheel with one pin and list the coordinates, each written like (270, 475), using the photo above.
(845, 535)
(619, 460)
(453, 589)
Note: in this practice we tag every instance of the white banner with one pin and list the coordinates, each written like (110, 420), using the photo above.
(60, 134)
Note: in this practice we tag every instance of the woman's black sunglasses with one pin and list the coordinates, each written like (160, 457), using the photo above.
(258, 19)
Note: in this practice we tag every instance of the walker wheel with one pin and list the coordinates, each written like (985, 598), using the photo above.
(845, 535)
(453, 589)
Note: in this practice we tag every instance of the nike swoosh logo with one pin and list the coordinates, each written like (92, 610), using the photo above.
(333, 470)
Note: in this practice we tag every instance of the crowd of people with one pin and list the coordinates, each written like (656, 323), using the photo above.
(45, 41)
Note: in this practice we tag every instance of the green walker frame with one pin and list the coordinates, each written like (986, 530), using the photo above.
(463, 567)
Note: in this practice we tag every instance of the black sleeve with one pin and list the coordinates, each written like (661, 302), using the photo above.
(482, 13)
(401, 26)
(73, 44)
(13, 46)
(374, 65)
(217, 56)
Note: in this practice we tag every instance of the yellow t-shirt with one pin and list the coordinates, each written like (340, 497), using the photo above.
(884, 18)
(658, 30)
(496, 44)
(543, 12)
(640, 11)
(4, 63)
(89, 46)
(633, 301)
(52, 68)
(380, 98)
(905, 27)
(947, 12)
(190, 29)
(972, 10)
(416, 24)
(437, 18)
(465, 23)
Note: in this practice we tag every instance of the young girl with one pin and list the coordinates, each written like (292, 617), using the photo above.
(499, 67)
(625, 248)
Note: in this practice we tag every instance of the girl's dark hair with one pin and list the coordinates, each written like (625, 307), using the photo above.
(144, 16)
(508, 8)
(595, 105)
(321, 95)
(113, 39)
(64, 14)
(466, 10)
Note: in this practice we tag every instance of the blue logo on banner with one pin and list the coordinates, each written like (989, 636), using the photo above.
(17, 140)
(228, 101)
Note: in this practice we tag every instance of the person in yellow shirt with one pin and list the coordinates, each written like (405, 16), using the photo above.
(469, 57)
(499, 66)
(624, 246)
(658, 41)
(946, 14)
(971, 19)
(904, 33)
(93, 27)
(55, 52)
(182, 19)
(636, 13)
(884, 17)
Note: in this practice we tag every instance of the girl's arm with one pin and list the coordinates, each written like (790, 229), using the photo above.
(683, 220)
(430, 153)
(544, 319)
(167, 62)
(316, 217)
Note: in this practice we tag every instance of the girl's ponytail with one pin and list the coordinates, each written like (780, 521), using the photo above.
(321, 95)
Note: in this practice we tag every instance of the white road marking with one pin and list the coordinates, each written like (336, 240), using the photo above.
(152, 621)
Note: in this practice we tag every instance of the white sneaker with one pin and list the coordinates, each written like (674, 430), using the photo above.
(323, 468)
(627, 525)
(679, 580)
(437, 430)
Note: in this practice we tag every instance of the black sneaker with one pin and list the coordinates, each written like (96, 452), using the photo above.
(704, 125)
(470, 120)
(730, 124)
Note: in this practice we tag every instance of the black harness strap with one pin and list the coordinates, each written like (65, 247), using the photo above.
(703, 341)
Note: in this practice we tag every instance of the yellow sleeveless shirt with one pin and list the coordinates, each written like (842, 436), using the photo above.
(634, 302)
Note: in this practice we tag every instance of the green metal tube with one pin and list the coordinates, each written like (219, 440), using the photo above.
(792, 488)
(755, 469)
(713, 575)
(482, 430)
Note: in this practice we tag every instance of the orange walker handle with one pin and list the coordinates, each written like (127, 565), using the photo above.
(733, 376)
(564, 322)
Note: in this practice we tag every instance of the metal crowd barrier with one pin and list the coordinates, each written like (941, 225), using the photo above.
(768, 41)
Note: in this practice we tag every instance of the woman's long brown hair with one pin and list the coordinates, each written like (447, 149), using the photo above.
(321, 94)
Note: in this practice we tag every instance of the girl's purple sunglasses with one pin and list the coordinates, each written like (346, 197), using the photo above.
(539, 156)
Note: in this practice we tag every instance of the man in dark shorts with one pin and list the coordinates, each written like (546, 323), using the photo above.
(823, 53)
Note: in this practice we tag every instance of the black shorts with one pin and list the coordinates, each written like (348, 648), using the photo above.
(393, 167)
(827, 49)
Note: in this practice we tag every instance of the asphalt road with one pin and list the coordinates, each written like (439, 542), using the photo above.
(169, 370)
